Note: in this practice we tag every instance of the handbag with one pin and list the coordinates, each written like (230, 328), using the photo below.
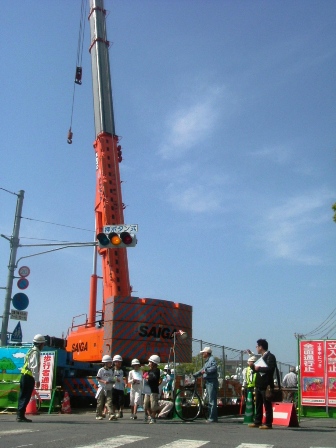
(271, 394)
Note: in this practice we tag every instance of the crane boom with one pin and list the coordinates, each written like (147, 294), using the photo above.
(132, 326)
(108, 201)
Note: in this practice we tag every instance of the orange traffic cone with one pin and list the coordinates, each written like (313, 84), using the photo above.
(32, 406)
(66, 408)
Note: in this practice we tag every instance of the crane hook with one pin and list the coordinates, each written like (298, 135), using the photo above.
(78, 76)
(70, 136)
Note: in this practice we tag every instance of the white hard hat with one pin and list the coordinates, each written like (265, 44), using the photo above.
(206, 350)
(106, 358)
(135, 362)
(117, 358)
(155, 359)
(39, 339)
(166, 367)
(252, 359)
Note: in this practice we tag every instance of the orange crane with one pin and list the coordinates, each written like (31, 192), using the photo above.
(131, 326)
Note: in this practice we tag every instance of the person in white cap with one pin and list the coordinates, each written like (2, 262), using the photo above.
(30, 376)
(168, 382)
(135, 380)
(209, 373)
(118, 396)
(249, 379)
(105, 380)
(153, 381)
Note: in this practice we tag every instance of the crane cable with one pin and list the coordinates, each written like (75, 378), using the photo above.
(78, 75)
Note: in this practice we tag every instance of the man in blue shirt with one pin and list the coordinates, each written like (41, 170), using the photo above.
(209, 373)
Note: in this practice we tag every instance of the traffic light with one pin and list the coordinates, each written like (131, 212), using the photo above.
(116, 240)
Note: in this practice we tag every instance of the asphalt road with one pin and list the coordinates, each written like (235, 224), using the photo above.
(83, 430)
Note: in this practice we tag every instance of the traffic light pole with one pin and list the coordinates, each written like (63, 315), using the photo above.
(14, 242)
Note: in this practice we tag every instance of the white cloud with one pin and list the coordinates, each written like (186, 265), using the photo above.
(191, 187)
(197, 199)
(191, 124)
(289, 230)
(279, 154)
(194, 188)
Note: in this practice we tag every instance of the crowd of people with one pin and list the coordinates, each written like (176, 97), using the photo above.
(152, 388)
(146, 388)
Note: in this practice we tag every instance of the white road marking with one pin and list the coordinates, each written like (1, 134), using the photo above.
(21, 446)
(185, 443)
(114, 442)
(254, 445)
(16, 431)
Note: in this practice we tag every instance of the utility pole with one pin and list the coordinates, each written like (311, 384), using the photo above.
(14, 242)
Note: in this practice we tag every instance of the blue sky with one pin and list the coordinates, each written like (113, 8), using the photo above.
(226, 111)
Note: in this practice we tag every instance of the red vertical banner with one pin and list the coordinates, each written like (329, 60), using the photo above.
(331, 371)
(312, 365)
(46, 375)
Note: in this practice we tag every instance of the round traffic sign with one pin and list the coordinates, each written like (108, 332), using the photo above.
(20, 301)
(24, 271)
(23, 283)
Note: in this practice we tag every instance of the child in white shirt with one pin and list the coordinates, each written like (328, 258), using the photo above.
(135, 379)
(118, 396)
(105, 384)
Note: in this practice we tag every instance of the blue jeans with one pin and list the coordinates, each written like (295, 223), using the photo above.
(211, 389)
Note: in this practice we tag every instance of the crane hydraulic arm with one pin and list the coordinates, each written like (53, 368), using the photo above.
(108, 204)
(109, 207)
(130, 326)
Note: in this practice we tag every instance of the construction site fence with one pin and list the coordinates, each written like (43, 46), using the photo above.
(230, 363)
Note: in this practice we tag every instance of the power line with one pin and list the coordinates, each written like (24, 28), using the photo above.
(56, 224)
(36, 239)
(325, 327)
(7, 191)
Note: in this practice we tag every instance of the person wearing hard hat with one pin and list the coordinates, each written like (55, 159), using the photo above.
(168, 381)
(135, 380)
(118, 396)
(153, 381)
(104, 393)
(30, 376)
(209, 373)
(249, 379)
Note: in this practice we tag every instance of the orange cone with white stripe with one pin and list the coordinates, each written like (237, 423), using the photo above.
(32, 405)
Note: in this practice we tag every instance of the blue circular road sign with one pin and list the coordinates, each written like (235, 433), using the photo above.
(23, 283)
(20, 301)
